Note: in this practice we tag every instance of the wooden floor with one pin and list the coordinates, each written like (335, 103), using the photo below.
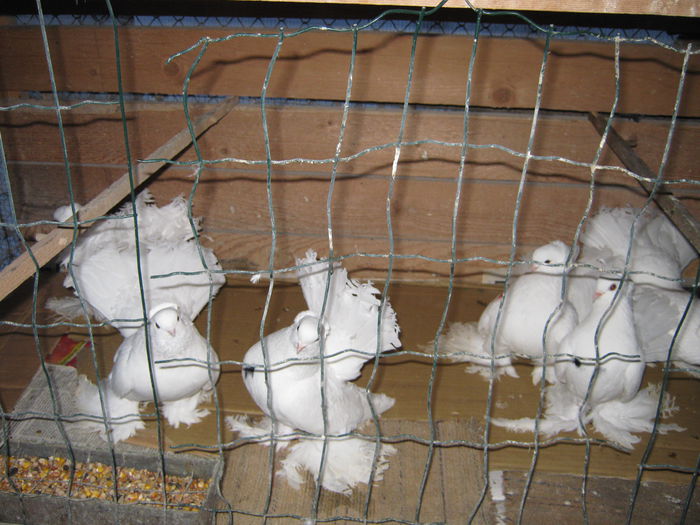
(457, 402)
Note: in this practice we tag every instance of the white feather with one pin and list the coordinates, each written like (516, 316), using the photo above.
(658, 314)
(617, 420)
(122, 415)
(352, 311)
(464, 343)
(515, 322)
(658, 252)
(105, 266)
(348, 462)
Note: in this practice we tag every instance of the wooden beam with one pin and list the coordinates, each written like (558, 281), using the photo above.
(626, 7)
(50, 245)
(580, 75)
(671, 206)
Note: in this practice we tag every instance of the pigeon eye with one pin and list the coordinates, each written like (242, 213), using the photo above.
(548, 261)
(613, 287)
(157, 326)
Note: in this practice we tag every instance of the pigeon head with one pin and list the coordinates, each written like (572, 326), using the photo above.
(305, 332)
(550, 258)
(165, 318)
(606, 288)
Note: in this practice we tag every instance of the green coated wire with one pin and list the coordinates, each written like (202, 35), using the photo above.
(584, 217)
(394, 145)
(35, 332)
(195, 232)
(273, 252)
(390, 195)
(139, 268)
(511, 258)
(329, 276)
(664, 382)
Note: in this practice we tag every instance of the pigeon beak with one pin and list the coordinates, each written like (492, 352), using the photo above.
(300, 347)
(596, 295)
(172, 332)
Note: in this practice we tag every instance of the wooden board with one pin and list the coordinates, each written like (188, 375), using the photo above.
(94, 138)
(558, 497)
(642, 7)
(314, 65)
(451, 493)
(232, 194)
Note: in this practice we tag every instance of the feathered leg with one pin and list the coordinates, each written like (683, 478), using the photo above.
(184, 411)
(348, 461)
(260, 431)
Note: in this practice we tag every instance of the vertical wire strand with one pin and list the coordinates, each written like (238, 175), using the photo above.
(139, 263)
(691, 489)
(658, 181)
(329, 276)
(577, 235)
(389, 201)
(511, 259)
(271, 269)
(35, 291)
(464, 151)
(195, 184)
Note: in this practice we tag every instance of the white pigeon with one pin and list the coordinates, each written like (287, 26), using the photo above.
(185, 377)
(658, 252)
(658, 255)
(658, 314)
(527, 306)
(285, 377)
(607, 336)
(104, 271)
(104, 266)
(605, 344)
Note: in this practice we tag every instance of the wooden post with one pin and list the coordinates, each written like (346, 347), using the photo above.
(51, 244)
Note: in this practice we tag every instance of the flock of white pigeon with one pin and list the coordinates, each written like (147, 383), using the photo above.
(589, 323)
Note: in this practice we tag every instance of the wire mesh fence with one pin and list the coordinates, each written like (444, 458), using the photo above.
(416, 23)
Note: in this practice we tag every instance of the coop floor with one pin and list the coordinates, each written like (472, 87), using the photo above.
(457, 403)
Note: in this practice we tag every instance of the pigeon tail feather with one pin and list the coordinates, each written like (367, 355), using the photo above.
(352, 313)
(463, 342)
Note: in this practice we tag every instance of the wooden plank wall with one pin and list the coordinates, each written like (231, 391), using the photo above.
(232, 195)
(643, 7)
